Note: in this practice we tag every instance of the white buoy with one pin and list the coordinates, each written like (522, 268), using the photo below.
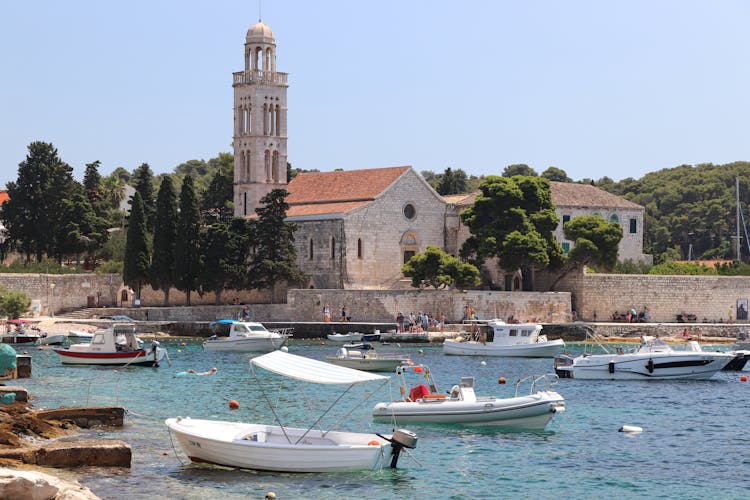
(483, 363)
(630, 428)
(284, 348)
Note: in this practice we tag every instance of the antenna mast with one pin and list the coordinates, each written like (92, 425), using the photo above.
(737, 194)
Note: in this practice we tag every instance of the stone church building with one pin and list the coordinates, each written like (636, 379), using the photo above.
(356, 228)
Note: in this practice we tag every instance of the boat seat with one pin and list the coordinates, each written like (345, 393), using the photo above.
(434, 396)
(251, 437)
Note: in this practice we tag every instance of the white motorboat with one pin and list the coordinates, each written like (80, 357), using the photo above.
(245, 336)
(653, 359)
(463, 407)
(292, 449)
(56, 339)
(367, 359)
(345, 337)
(78, 335)
(115, 346)
(498, 338)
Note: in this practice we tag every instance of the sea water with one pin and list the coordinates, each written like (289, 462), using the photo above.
(694, 443)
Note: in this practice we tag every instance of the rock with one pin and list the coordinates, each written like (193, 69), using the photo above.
(101, 453)
(31, 485)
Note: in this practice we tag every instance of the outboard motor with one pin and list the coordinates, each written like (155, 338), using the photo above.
(401, 439)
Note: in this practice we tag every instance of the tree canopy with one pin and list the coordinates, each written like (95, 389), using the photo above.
(437, 269)
(135, 271)
(163, 273)
(187, 256)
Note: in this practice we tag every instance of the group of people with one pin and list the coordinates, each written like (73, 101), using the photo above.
(420, 322)
(342, 317)
(632, 316)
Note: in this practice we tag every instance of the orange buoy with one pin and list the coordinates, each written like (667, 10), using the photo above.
(373, 443)
(501, 380)
(417, 369)
(183, 343)
(743, 378)
(233, 404)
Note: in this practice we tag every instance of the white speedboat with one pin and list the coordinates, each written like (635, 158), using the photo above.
(55, 339)
(291, 449)
(345, 337)
(497, 338)
(115, 346)
(463, 407)
(245, 336)
(653, 359)
(367, 359)
(78, 335)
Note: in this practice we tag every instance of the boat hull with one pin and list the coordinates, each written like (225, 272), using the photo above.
(264, 344)
(532, 412)
(377, 364)
(345, 337)
(134, 358)
(657, 366)
(265, 447)
(52, 339)
(546, 349)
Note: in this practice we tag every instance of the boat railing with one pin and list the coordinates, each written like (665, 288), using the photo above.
(284, 331)
(538, 382)
(595, 338)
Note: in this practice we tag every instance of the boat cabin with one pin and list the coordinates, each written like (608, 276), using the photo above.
(513, 334)
(231, 328)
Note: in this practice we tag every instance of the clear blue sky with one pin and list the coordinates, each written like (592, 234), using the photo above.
(593, 87)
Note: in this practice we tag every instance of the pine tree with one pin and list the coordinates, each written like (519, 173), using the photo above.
(165, 236)
(187, 257)
(143, 182)
(135, 272)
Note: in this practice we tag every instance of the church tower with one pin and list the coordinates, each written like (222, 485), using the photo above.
(259, 122)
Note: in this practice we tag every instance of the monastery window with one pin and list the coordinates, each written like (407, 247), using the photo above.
(409, 211)
(565, 247)
(311, 249)
(633, 226)
(359, 248)
(566, 218)
(408, 254)
(614, 218)
(333, 247)
(244, 202)
(409, 245)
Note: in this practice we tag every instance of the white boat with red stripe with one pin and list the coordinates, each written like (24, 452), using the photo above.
(115, 346)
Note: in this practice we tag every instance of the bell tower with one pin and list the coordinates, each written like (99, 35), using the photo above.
(259, 122)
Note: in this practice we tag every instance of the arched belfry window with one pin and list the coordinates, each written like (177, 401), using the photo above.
(614, 218)
(409, 245)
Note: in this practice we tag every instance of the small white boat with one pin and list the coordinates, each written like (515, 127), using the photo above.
(76, 335)
(367, 359)
(57, 339)
(653, 359)
(498, 338)
(345, 337)
(115, 346)
(245, 336)
(463, 407)
(291, 449)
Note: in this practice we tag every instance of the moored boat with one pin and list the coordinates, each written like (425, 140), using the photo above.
(291, 449)
(245, 336)
(653, 359)
(115, 346)
(345, 337)
(498, 338)
(367, 359)
(461, 406)
(54, 339)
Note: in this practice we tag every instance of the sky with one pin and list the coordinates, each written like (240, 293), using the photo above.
(615, 89)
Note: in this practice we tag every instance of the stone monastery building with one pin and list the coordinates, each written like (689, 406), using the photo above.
(356, 228)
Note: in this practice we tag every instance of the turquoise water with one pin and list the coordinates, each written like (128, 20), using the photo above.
(694, 445)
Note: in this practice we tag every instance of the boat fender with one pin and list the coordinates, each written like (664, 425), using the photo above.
(611, 367)
(630, 428)
(650, 365)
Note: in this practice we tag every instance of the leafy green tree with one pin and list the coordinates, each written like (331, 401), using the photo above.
(35, 200)
(112, 191)
(275, 257)
(92, 184)
(595, 243)
(137, 263)
(512, 219)
(224, 256)
(187, 257)
(13, 304)
(519, 169)
(438, 269)
(143, 182)
(122, 174)
(556, 174)
(163, 274)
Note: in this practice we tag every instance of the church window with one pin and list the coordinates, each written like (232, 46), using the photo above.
(565, 247)
(267, 165)
(566, 218)
(614, 218)
(408, 254)
(409, 211)
(409, 245)
(633, 226)
(244, 195)
(333, 247)
(275, 174)
(359, 248)
(311, 249)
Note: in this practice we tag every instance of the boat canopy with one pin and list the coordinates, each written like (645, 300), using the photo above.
(311, 370)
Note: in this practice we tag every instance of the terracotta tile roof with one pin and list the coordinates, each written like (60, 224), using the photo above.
(460, 199)
(3, 197)
(316, 193)
(570, 194)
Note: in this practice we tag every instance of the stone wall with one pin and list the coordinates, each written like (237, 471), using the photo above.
(320, 251)
(709, 298)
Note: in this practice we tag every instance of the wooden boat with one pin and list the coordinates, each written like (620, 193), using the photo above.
(115, 346)
(291, 449)
(424, 404)
(498, 338)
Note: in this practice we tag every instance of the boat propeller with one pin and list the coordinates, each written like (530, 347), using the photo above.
(401, 439)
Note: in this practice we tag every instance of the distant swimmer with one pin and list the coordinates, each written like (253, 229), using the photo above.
(193, 372)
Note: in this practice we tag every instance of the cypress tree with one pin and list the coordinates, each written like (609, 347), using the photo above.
(143, 182)
(187, 257)
(135, 272)
(165, 236)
